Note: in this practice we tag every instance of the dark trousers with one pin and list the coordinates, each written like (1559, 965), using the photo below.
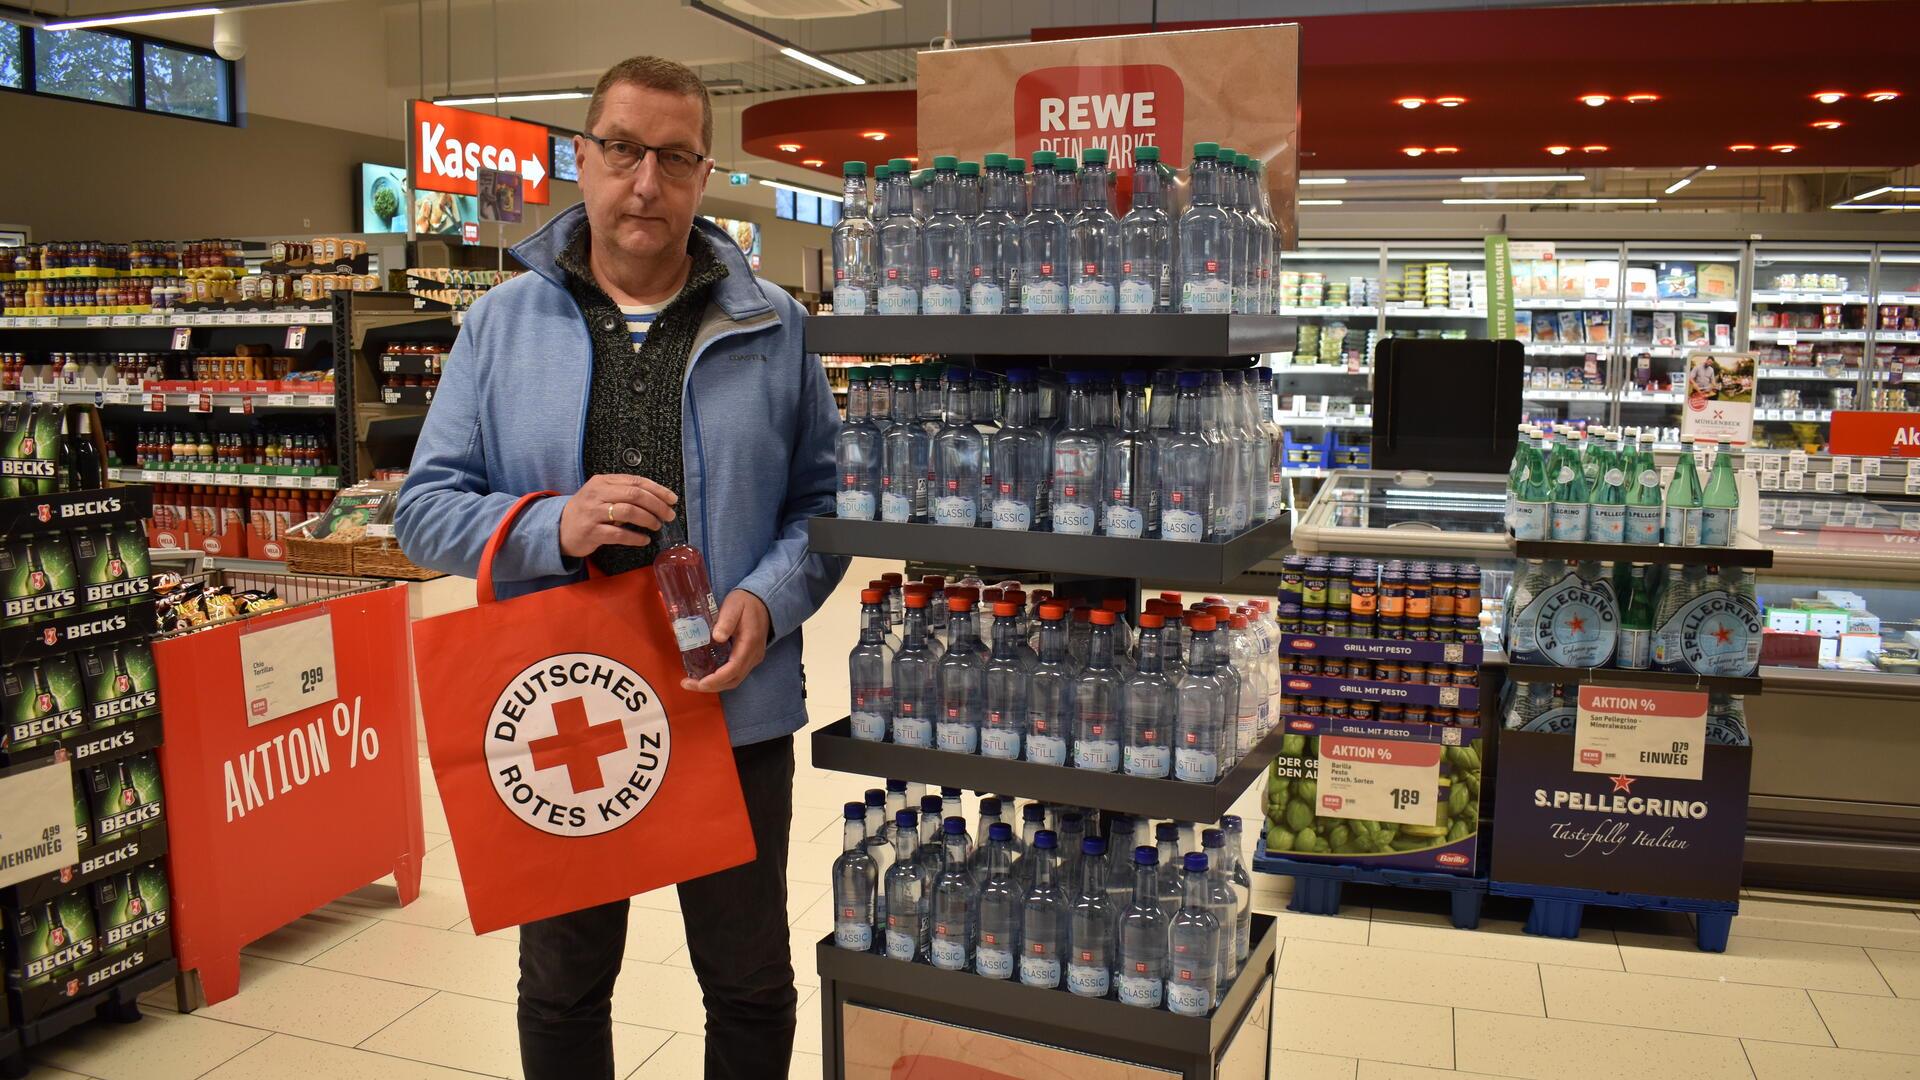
(736, 934)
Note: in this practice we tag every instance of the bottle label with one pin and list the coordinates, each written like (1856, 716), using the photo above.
(1208, 296)
(853, 935)
(1565, 476)
(1607, 524)
(854, 505)
(1188, 998)
(870, 726)
(1196, 766)
(899, 300)
(1715, 633)
(901, 946)
(1125, 521)
(849, 300)
(1716, 526)
(1042, 297)
(1243, 727)
(1138, 297)
(912, 731)
(1532, 520)
(1635, 650)
(955, 510)
(993, 963)
(1089, 980)
(1139, 990)
(1073, 517)
(1011, 514)
(1092, 298)
(1643, 525)
(1041, 971)
(1100, 756)
(1149, 761)
(1002, 744)
(1182, 525)
(1046, 750)
(692, 632)
(1569, 521)
(1683, 526)
(1569, 623)
(948, 955)
(959, 737)
(895, 506)
(940, 300)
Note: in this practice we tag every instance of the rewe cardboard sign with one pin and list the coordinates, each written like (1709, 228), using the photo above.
(1237, 87)
(448, 148)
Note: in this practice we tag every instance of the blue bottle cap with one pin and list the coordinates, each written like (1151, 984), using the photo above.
(1265, 375)
(999, 830)
(1033, 811)
(876, 797)
(954, 826)
(1146, 856)
(1019, 375)
(958, 375)
(949, 792)
(856, 811)
(1044, 840)
(990, 807)
(1093, 845)
(1196, 861)
(896, 785)
(1136, 378)
(1230, 822)
(905, 819)
(1166, 830)
(931, 804)
(1072, 815)
(1079, 378)
(1213, 838)
(1192, 380)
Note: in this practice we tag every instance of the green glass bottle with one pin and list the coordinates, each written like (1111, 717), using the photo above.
(1636, 623)
(1683, 499)
(1643, 492)
(1606, 497)
(1720, 510)
(1569, 490)
(1533, 493)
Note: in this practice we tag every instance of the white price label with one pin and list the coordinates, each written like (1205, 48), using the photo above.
(227, 318)
(287, 666)
(253, 318)
(1631, 732)
(279, 399)
(99, 320)
(154, 476)
(1912, 484)
(151, 320)
(286, 481)
(320, 401)
(41, 835)
(1376, 780)
(1871, 466)
(1840, 465)
(1857, 484)
(1794, 481)
(252, 480)
(1787, 338)
(1796, 461)
(1769, 481)
(126, 320)
(1823, 481)
(1769, 463)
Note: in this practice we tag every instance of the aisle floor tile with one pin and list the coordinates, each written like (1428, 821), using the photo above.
(1382, 1070)
(1421, 978)
(481, 1036)
(441, 903)
(1702, 1006)
(652, 935)
(1542, 1049)
(439, 861)
(1299, 1065)
(1347, 928)
(659, 996)
(314, 1003)
(284, 1057)
(1900, 969)
(162, 1046)
(308, 936)
(48, 1072)
(1830, 923)
(1361, 1028)
(1495, 939)
(1871, 1023)
(1761, 961)
(1786, 1061)
(806, 971)
(423, 956)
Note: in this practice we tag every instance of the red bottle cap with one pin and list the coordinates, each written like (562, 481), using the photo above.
(1170, 597)
(1103, 617)
(1053, 612)
(1151, 621)
(1239, 622)
(916, 599)
(871, 596)
(959, 604)
(1115, 604)
(892, 579)
(1080, 614)
(1005, 610)
(1200, 623)
(935, 581)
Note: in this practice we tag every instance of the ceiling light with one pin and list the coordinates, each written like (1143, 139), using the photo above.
(876, 136)
(1595, 100)
(1828, 97)
(1742, 146)
(1519, 201)
(1544, 178)
(1883, 190)
(787, 48)
(1319, 202)
(797, 189)
(1321, 181)
(1783, 148)
(1410, 102)
(1449, 102)
(1446, 149)
(1875, 206)
(1413, 151)
(511, 96)
(1678, 184)
(1596, 148)
(1827, 125)
(1557, 151)
(1641, 98)
(1877, 96)
(789, 147)
(818, 64)
(814, 163)
(130, 17)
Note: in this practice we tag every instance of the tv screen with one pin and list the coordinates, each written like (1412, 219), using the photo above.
(565, 166)
(829, 212)
(783, 204)
(383, 198)
(807, 209)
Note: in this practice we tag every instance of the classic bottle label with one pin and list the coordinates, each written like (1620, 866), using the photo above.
(993, 963)
(939, 299)
(1072, 517)
(1643, 525)
(1138, 297)
(854, 505)
(1043, 297)
(1716, 526)
(849, 300)
(1124, 521)
(958, 736)
(1181, 524)
(1149, 761)
(948, 955)
(1041, 971)
(1188, 998)
(955, 510)
(1000, 744)
(1101, 755)
(1092, 298)
(1142, 991)
(1012, 514)
(1532, 520)
(1606, 524)
(692, 632)
(853, 935)
(1046, 749)
(900, 946)
(1089, 980)
(1196, 766)
(1570, 623)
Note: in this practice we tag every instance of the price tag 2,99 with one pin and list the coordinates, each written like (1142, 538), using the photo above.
(1377, 780)
(287, 667)
(1633, 732)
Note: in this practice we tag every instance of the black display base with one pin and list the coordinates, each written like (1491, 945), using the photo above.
(78, 630)
(1209, 336)
(834, 747)
(1652, 680)
(1187, 1045)
(1084, 556)
(1756, 557)
(119, 1002)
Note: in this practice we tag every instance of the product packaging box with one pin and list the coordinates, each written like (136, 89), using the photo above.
(1523, 279)
(1599, 327)
(124, 795)
(1665, 330)
(29, 449)
(1827, 622)
(1859, 646)
(1570, 278)
(49, 947)
(36, 578)
(1696, 330)
(41, 702)
(1781, 648)
(1716, 281)
(1676, 280)
(131, 906)
(1570, 327)
(1523, 326)
(1723, 335)
(1787, 620)
(1842, 598)
(122, 683)
(111, 564)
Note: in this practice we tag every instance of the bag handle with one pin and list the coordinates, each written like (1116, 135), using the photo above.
(484, 583)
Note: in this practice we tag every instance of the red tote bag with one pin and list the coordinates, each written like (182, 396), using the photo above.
(574, 768)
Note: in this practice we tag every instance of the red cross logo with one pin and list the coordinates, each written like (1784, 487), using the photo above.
(577, 744)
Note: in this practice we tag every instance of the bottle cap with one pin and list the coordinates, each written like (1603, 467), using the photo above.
(1208, 837)
(957, 376)
(1172, 597)
(949, 792)
(1051, 612)
(1136, 377)
(1065, 165)
(1103, 617)
(1239, 622)
(1000, 831)
(931, 804)
(1004, 610)
(892, 579)
(1019, 375)
(1229, 822)
(904, 819)
(1073, 817)
(876, 796)
(855, 811)
(1192, 379)
(996, 161)
(856, 374)
(1166, 830)
(881, 172)
(1079, 378)
(932, 370)
(1218, 608)
(1080, 614)
(1044, 840)
(871, 596)
(1093, 845)
(946, 163)
(1206, 150)
(900, 165)
(959, 605)
(1043, 159)
(1150, 621)
(993, 594)
(1115, 604)
(1033, 811)
(1093, 156)
(1146, 153)
(1017, 166)
(990, 807)
(954, 826)
(1146, 856)
(903, 373)
(1226, 155)
(1015, 597)
(1196, 862)
(1200, 624)
(896, 785)
(916, 600)
(854, 168)
(1240, 161)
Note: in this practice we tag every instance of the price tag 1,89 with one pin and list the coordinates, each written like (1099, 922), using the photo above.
(1633, 732)
(1377, 780)
(287, 667)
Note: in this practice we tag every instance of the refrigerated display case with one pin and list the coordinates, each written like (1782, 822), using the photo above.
(1323, 388)
(1807, 330)
(1567, 313)
(1893, 379)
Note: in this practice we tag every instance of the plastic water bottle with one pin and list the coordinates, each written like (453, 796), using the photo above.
(956, 458)
(1096, 702)
(899, 292)
(1000, 905)
(1236, 425)
(1142, 952)
(989, 817)
(1050, 692)
(856, 455)
(856, 256)
(1090, 926)
(1094, 240)
(916, 684)
(1243, 654)
(1205, 239)
(1146, 240)
(870, 672)
(1193, 944)
(1243, 888)
(1167, 887)
(1185, 467)
(1230, 685)
(906, 894)
(853, 885)
(950, 803)
(879, 847)
(1075, 477)
(1261, 210)
(1004, 724)
(943, 243)
(963, 683)
(929, 393)
(906, 453)
(1122, 833)
(1019, 458)
(993, 243)
(1200, 709)
(1720, 505)
(1224, 902)
(680, 572)
(1043, 245)
(1271, 434)
(1069, 827)
(1147, 707)
(1239, 226)
(950, 942)
(1043, 917)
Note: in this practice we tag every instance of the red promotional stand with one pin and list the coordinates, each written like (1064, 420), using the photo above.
(292, 776)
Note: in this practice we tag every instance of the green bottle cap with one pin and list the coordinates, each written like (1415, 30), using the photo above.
(1043, 159)
(881, 172)
(996, 161)
(923, 178)
(1225, 154)
(1146, 153)
(1065, 165)
(903, 372)
(857, 374)
(854, 168)
(900, 165)
(1256, 165)
(1206, 150)
(946, 163)
(932, 371)
(969, 168)
(1095, 156)
(1240, 160)
(1016, 166)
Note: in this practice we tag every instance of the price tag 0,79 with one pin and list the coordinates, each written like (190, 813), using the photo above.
(1378, 780)
(1633, 732)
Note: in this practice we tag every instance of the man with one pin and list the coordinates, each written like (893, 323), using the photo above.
(644, 369)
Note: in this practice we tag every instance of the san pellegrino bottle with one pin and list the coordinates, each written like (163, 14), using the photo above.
(1643, 493)
(1050, 692)
(1206, 239)
(963, 683)
(1094, 240)
(916, 684)
(1243, 887)
(1607, 496)
(856, 256)
(957, 451)
(1193, 944)
(1043, 916)
(1126, 464)
(943, 243)
(1636, 623)
(1224, 902)
(1090, 926)
(1684, 502)
(950, 942)
(1096, 702)
(1569, 490)
(906, 895)
(1720, 504)
(1147, 704)
(1005, 723)
(853, 885)
(1043, 244)
(899, 292)
(856, 455)
(1590, 454)
(1682, 585)
(1146, 240)
(680, 572)
(905, 453)
(1532, 492)
(1020, 465)
(1239, 225)
(1142, 951)
(1185, 461)
(1000, 908)
(870, 671)
(1200, 709)
(1075, 479)
(993, 243)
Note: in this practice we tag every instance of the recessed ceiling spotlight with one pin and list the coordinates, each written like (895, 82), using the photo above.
(814, 163)
(1827, 125)
(876, 136)
(1742, 146)
(1452, 102)
(1410, 102)
(789, 147)
(1557, 151)
(1880, 95)
(1446, 149)
(1413, 151)
(1596, 148)
(1828, 97)
(1595, 100)
(1642, 98)
(1783, 148)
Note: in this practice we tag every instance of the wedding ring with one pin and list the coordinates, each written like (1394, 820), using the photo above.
(610, 518)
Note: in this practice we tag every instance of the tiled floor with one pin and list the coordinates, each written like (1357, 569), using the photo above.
(367, 990)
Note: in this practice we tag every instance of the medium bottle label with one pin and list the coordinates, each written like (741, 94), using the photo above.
(1138, 297)
(1092, 298)
(1140, 991)
(1209, 296)
(1089, 980)
(1000, 744)
(870, 726)
(993, 963)
(1125, 521)
(1099, 756)
(692, 632)
(959, 737)
(1532, 520)
(854, 505)
(899, 300)
(1041, 971)
(1046, 750)
(1011, 514)
(1042, 297)
(849, 300)
(986, 298)
(912, 731)
(1185, 525)
(1149, 761)
(895, 507)
(1607, 524)
(940, 300)
(1643, 525)
(1716, 526)
(955, 510)
(1196, 766)
(853, 935)
(1073, 517)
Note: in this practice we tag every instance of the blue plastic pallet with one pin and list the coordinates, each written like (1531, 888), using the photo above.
(1317, 886)
(1557, 912)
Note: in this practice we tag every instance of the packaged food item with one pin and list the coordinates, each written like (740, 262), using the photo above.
(1523, 326)
(1666, 334)
(1676, 280)
(40, 703)
(132, 906)
(1570, 331)
(1599, 327)
(121, 683)
(1603, 279)
(1570, 278)
(1716, 281)
(354, 509)
(1696, 329)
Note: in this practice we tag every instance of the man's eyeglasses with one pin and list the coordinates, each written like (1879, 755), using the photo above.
(624, 156)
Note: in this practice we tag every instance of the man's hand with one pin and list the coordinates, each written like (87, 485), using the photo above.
(743, 623)
(598, 515)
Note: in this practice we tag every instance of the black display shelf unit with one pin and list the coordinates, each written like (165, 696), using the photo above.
(1629, 677)
(1758, 558)
(1132, 336)
(1084, 556)
(1190, 1046)
(118, 1002)
(74, 509)
(835, 748)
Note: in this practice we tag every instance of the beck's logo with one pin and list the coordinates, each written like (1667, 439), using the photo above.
(577, 745)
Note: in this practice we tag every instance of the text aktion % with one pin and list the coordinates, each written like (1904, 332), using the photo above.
(361, 742)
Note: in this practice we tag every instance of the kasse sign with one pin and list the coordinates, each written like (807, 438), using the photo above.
(450, 146)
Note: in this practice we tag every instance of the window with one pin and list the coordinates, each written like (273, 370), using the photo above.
(13, 66)
(185, 83)
(83, 64)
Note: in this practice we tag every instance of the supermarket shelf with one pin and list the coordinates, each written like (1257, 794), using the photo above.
(1652, 397)
(1821, 416)
(1896, 335)
(1565, 395)
(225, 479)
(1557, 349)
(1331, 312)
(1727, 306)
(1318, 369)
(1662, 352)
(1757, 557)
(1809, 374)
(1790, 336)
(1591, 303)
(834, 747)
(1305, 472)
(181, 318)
(1898, 298)
(199, 400)
(1651, 680)
(1435, 313)
(1305, 420)
(1051, 335)
(1091, 556)
(1802, 296)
